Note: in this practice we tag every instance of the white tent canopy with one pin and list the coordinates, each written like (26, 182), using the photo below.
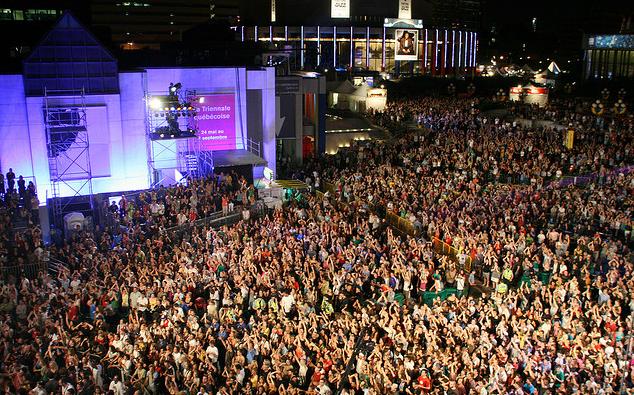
(553, 68)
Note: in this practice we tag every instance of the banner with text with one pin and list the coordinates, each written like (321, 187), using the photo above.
(404, 9)
(340, 9)
(216, 119)
(273, 13)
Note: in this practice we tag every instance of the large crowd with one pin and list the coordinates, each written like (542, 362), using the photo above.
(321, 297)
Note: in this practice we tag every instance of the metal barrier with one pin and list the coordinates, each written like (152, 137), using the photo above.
(218, 219)
(440, 247)
(402, 224)
(30, 270)
(397, 222)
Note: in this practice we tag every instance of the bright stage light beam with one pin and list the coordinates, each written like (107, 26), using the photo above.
(155, 103)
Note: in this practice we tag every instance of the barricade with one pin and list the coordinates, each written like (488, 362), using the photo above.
(440, 247)
(30, 270)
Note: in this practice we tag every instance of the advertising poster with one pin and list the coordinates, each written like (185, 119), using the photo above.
(340, 9)
(216, 119)
(406, 44)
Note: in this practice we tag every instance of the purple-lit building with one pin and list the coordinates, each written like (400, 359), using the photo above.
(76, 125)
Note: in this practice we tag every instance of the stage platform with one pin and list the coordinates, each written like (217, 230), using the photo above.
(236, 157)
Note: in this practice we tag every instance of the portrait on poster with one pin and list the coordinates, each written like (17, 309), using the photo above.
(406, 44)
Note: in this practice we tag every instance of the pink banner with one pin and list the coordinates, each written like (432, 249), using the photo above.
(216, 122)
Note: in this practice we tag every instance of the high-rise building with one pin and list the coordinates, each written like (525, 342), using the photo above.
(24, 22)
(148, 23)
(457, 14)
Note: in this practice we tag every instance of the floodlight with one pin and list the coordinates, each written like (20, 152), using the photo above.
(155, 103)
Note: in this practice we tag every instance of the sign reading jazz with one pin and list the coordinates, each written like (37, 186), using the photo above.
(406, 45)
(216, 118)
(340, 9)
(404, 9)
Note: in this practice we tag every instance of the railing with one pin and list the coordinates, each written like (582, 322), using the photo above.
(219, 219)
(402, 224)
(588, 178)
(397, 222)
(30, 270)
(252, 146)
(440, 247)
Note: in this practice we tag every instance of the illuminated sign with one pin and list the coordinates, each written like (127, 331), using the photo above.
(403, 23)
(340, 9)
(216, 117)
(404, 9)
(614, 41)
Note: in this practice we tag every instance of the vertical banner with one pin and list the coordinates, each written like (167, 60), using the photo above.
(569, 138)
(404, 9)
(216, 117)
(340, 9)
(273, 15)
(406, 44)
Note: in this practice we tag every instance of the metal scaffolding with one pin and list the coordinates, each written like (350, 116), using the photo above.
(68, 149)
(171, 139)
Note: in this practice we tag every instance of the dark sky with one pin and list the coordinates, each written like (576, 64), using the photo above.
(560, 25)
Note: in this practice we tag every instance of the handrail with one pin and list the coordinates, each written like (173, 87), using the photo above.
(29, 270)
(253, 146)
(443, 248)
(403, 225)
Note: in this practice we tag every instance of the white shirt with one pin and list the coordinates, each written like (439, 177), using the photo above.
(287, 303)
(117, 387)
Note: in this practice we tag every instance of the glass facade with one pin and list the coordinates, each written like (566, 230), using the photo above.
(440, 51)
(609, 56)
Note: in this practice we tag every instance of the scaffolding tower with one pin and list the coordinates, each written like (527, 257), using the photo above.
(68, 149)
(172, 143)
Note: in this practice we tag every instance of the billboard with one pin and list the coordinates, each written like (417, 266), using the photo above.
(216, 118)
(406, 44)
(404, 9)
(340, 9)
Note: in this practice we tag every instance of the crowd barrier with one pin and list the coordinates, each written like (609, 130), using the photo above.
(219, 219)
(440, 247)
(30, 270)
(402, 224)
(397, 222)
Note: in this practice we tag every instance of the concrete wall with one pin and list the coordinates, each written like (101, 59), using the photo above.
(15, 148)
(264, 80)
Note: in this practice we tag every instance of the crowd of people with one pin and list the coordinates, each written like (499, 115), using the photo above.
(19, 220)
(175, 206)
(321, 297)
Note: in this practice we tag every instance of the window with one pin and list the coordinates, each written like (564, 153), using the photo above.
(18, 15)
(6, 14)
(40, 15)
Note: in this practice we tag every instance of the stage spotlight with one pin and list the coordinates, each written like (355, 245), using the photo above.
(162, 135)
(172, 109)
(155, 103)
(201, 99)
(174, 88)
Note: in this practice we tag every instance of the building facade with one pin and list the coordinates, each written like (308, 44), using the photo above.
(76, 125)
(438, 52)
(146, 24)
(608, 56)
